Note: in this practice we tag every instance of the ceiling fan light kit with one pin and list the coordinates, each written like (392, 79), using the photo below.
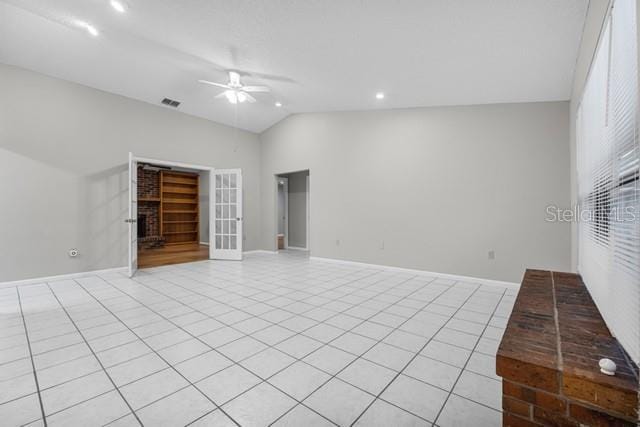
(235, 91)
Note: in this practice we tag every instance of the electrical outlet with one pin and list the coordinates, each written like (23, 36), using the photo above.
(492, 254)
(73, 253)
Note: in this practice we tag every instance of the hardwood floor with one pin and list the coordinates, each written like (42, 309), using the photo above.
(172, 254)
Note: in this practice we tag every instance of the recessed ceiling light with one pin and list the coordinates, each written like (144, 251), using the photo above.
(119, 6)
(278, 104)
(90, 28)
(380, 95)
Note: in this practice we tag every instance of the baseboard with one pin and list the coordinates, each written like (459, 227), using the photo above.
(68, 276)
(296, 248)
(491, 282)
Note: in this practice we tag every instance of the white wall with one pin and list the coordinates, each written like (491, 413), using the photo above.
(63, 177)
(430, 188)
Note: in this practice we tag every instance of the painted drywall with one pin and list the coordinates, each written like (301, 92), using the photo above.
(594, 20)
(430, 188)
(63, 157)
(298, 209)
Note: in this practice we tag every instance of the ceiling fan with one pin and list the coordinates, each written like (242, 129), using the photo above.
(235, 91)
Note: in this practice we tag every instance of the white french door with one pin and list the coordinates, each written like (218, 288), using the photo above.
(133, 215)
(226, 217)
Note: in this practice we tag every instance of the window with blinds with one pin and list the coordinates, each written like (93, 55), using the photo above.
(608, 159)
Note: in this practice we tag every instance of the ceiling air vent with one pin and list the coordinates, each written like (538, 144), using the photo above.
(170, 102)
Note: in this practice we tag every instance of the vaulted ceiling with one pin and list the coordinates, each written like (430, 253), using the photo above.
(315, 55)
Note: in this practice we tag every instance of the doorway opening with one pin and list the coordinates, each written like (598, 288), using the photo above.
(173, 215)
(187, 212)
(292, 211)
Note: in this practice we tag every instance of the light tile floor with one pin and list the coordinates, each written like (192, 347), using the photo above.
(273, 340)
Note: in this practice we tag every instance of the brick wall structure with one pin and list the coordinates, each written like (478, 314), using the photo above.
(148, 193)
(548, 359)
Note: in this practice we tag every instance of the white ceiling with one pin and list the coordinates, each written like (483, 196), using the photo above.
(316, 55)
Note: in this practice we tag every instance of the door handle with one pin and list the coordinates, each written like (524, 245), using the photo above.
(238, 219)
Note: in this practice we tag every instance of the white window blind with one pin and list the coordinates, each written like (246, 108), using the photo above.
(608, 159)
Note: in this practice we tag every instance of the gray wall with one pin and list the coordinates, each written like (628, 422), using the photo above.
(63, 171)
(298, 209)
(430, 188)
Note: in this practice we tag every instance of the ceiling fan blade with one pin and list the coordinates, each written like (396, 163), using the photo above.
(256, 89)
(250, 98)
(214, 84)
(220, 95)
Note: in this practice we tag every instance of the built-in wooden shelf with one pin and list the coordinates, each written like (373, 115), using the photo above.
(179, 207)
(149, 199)
(185, 201)
(179, 232)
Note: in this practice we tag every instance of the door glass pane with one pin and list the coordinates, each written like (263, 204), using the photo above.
(226, 227)
(225, 242)
(218, 181)
(232, 182)
(218, 242)
(225, 196)
(232, 211)
(225, 181)
(225, 211)
(232, 242)
(218, 227)
(233, 226)
(218, 196)
(232, 196)
(218, 211)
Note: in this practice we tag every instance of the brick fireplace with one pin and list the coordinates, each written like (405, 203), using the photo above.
(149, 206)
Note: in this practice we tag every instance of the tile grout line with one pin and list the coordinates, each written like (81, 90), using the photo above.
(166, 319)
(414, 357)
(393, 329)
(400, 298)
(247, 335)
(300, 333)
(361, 356)
(94, 354)
(275, 292)
(35, 374)
(465, 365)
(170, 365)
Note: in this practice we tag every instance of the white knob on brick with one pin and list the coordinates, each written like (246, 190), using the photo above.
(607, 366)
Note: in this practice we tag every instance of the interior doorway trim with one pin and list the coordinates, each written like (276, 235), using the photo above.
(277, 178)
(133, 159)
(285, 192)
(170, 163)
